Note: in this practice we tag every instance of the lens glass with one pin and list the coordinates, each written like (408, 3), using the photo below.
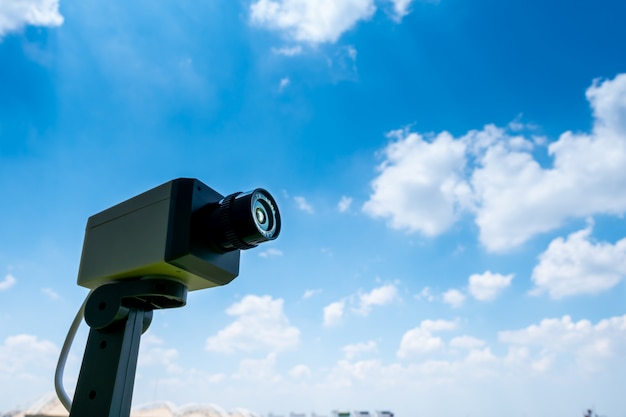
(264, 214)
(261, 217)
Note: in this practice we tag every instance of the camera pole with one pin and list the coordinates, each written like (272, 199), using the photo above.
(118, 313)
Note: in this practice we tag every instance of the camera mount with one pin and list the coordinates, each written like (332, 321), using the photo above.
(118, 313)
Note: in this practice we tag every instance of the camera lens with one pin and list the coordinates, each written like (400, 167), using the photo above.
(244, 220)
(261, 217)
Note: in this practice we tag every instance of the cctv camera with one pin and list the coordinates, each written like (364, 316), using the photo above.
(182, 230)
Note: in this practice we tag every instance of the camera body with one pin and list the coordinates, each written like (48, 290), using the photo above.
(182, 230)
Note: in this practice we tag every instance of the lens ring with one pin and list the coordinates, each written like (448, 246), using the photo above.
(232, 238)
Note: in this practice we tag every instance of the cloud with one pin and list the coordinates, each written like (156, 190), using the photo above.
(344, 204)
(420, 183)
(425, 294)
(261, 324)
(580, 355)
(304, 205)
(438, 325)
(8, 281)
(487, 286)
(420, 340)
(360, 303)
(16, 14)
(464, 364)
(288, 50)
(425, 184)
(377, 297)
(259, 370)
(609, 105)
(454, 297)
(271, 252)
(352, 52)
(310, 293)
(466, 342)
(481, 356)
(152, 353)
(300, 372)
(585, 177)
(313, 21)
(357, 349)
(284, 83)
(553, 338)
(576, 265)
(23, 356)
(400, 8)
(50, 293)
(333, 313)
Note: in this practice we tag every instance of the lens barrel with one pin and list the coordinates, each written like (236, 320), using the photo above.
(244, 220)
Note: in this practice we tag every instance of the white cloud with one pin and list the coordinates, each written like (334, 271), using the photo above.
(300, 372)
(16, 14)
(487, 286)
(400, 8)
(454, 297)
(380, 296)
(333, 313)
(466, 342)
(288, 50)
(520, 198)
(304, 205)
(438, 325)
(271, 252)
(344, 204)
(357, 349)
(553, 338)
(481, 356)
(284, 83)
(352, 52)
(50, 293)
(152, 353)
(314, 21)
(360, 303)
(259, 370)
(420, 185)
(425, 294)
(310, 293)
(609, 105)
(23, 356)
(576, 265)
(420, 340)
(8, 281)
(261, 324)
(423, 185)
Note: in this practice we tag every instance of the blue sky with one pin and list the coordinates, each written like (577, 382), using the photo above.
(450, 175)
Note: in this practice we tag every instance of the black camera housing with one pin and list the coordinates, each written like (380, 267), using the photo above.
(182, 230)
